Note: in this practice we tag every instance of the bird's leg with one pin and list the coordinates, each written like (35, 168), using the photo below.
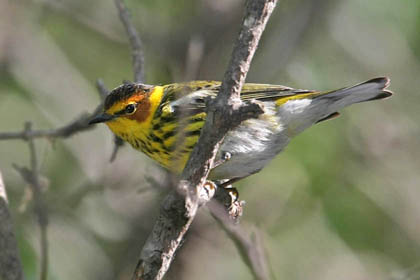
(226, 193)
(229, 196)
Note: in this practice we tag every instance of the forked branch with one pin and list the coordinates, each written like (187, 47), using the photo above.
(224, 113)
(32, 177)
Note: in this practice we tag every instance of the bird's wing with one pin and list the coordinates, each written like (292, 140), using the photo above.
(186, 99)
(267, 92)
(190, 98)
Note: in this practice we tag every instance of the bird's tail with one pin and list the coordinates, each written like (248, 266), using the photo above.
(337, 99)
(325, 105)
(366, 91)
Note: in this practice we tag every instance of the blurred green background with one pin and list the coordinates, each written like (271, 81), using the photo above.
(340, 203)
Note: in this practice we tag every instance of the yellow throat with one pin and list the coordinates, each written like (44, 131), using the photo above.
(151, 133)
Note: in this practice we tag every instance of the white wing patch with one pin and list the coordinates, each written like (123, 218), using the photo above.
(296, 106)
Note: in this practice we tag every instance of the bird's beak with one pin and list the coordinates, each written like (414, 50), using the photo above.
(102, 117)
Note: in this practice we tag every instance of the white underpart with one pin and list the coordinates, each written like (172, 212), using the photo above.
(252, 144)
(256, 142)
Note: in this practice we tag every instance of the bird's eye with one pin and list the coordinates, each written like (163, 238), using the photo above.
(130, 109)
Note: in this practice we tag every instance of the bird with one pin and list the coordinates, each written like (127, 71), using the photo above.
(165, 121)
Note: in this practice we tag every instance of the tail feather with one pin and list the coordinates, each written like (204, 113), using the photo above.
(299, 114)
(370, 90)
(338, 99)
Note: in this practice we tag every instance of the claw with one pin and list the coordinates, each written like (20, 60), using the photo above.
(229, 196)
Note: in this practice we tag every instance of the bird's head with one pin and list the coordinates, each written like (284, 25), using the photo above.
(125, 107)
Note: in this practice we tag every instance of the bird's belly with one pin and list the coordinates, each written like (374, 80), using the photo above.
(252, 146)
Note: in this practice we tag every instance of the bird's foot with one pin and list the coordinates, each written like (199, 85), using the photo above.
(229, 197)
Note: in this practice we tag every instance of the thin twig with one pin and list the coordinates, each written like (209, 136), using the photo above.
(102, 90)
(40, 207)
(31, 176)
(10, 262)
(224, 113)
(137, 58)
(78, 125)
(248, 244)
(135, 42)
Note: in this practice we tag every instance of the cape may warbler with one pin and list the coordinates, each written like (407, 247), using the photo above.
(165, 122)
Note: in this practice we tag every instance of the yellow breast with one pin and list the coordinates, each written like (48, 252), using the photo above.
(164, 139)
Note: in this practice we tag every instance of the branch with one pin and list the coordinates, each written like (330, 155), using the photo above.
(31, 176)
(249, 245)
(82, 122)
(12, 266)
(135, 42)
(102, 91)
(65, 131)
(10, 263)
(78, 125)
(224, 113)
